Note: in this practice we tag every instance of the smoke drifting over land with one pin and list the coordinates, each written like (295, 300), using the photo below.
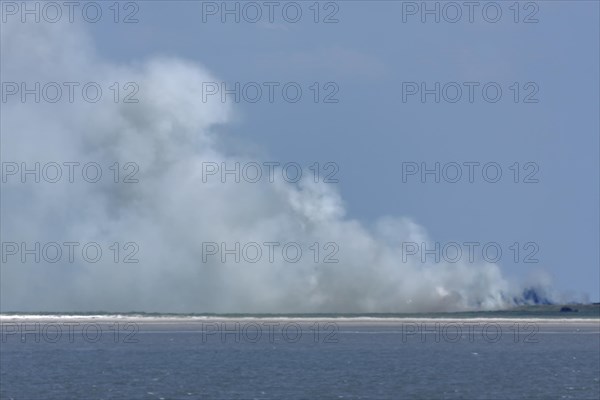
(171, 211)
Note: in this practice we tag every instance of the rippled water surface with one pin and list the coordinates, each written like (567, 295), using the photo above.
(275, 358)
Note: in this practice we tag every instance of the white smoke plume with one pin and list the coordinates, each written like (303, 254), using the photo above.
(170, 212)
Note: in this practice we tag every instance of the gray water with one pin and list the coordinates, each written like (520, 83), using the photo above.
(241, 358)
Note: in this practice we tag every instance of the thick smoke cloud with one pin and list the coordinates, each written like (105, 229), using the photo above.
(170, 212)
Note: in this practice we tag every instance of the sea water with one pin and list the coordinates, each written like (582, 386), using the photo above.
(138, 356)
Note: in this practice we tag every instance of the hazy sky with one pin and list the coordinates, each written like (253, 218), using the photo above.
(371, 58)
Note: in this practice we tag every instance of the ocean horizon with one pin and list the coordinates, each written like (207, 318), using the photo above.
(536, 352)
(567, 311)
